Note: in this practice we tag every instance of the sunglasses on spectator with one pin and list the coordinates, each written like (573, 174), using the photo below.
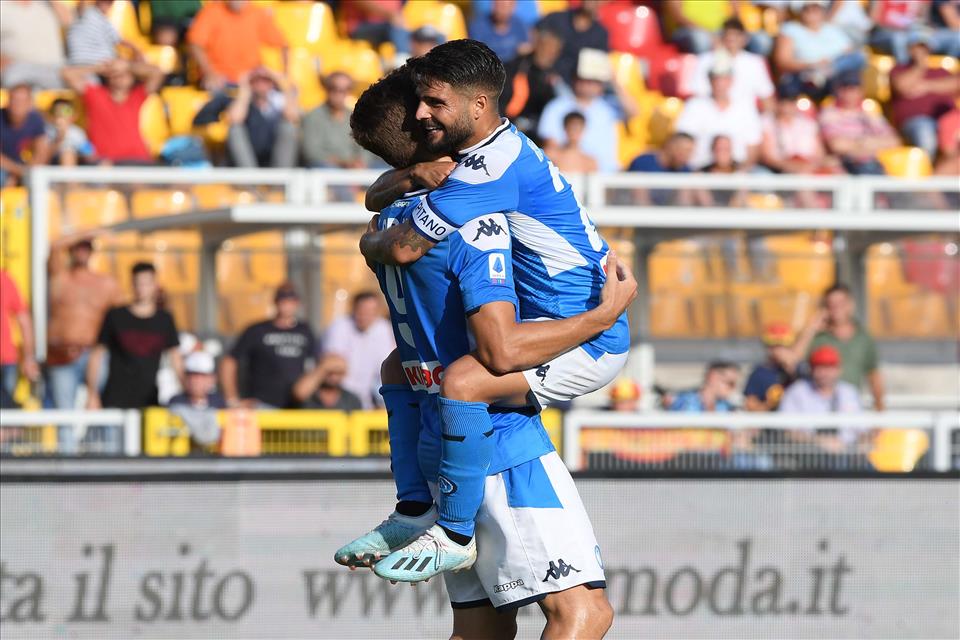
(63, 110)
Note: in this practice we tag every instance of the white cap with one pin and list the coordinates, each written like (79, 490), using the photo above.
(199, 362)
(798, 5)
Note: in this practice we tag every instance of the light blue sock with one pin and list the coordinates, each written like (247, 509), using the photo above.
(403, 425)
(466, 449)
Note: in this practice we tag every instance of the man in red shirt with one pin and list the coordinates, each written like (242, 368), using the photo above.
(11, 305)
(921, 95)
(113, 107)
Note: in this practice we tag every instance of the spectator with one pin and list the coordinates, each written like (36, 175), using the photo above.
(263, 118)
(852, 133)
(824, 391)
(528, 12)
(135, 337)
(169, 21)
(22, 140)
(767, 381)
(721, 115)
(272, 354)
(377, 22)
(579, 29)
(322, 388)
(791, 140)
(812, 52)
(31, 45)
(694, 23)
(92, 38)
(569, 157)
(673, 157)
(948, 128)
(226, 37)
(723, 162)
(719, 383)
(326, 130)
(200, 386)
(502, 30)
(921, 95)
(945, 20)
(751, 78)
(852, 17)
(893, 21)
(531, 81)
(78, 303)
(625, 396)
(424, 39)
(13, 307)
(600, 135)
(841, 330)
(364, 339)
(113, 108)
(69, 144)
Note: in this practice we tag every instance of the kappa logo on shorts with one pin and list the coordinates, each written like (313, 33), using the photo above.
(542, 373)
(446, 485)
(507, 586)
(559, 569)
(476, 163)
(488, 227)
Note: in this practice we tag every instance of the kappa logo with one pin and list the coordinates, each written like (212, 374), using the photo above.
(507, 586)
(447, 486)
(476, 163)
(488, 227)
(559, 569)
(542, 373)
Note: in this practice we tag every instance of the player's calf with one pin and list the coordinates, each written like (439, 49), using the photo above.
(580, 612)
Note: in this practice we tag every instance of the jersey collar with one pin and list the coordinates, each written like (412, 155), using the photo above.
(504, 125)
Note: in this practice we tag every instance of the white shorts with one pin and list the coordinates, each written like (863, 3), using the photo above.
(533, 538)
(571, 375)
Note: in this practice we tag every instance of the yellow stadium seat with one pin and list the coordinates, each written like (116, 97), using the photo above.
(443, 16)
(897, 307)
(663, 120)
(4, 96)
(948, 63)
(94, 208)
(552, 6)
(217, 196)
(872, 107)
(144, 17)
(307, 24)
(764, 201)
(151, 203)
(876, 77)
(183, 103)
(751, 16)
(898, 450)
(162, 56)
(239, 309)
(303, 69)
(181, 304)
(123, 16)
(628, 73)
(803, 263)
(630, 143)
(153, 123)
(357, 59)
(905, 162)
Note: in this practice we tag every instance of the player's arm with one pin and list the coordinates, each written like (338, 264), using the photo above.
(399, 245)
(396, 182)
(505, 345)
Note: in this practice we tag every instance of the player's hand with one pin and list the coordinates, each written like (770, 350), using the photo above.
(374, 225)
(431, 175)
(619, 290)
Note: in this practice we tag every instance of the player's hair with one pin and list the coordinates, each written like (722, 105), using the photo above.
(838, 287)
(463, 64)
(573, 115)
(143, 267)
(382, 121)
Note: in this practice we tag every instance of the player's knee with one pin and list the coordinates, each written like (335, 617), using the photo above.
(460, 382)
(391, 370)
(585, 613)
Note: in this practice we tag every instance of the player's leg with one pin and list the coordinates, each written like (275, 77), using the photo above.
(484, 623)
(414, 512)
(580, 612)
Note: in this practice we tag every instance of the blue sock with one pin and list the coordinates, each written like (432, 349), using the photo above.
(466, 449)
(403, 425)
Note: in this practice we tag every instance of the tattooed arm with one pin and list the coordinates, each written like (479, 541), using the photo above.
(398, 245)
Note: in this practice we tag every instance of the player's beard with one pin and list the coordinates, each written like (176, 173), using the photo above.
(453, 136)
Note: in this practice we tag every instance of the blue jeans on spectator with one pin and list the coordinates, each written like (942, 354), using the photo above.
(8, 377)
(921, 131)
(376, 33)
(870, 167)
(62, 384)
(946, 42)
(692, 40)
(892, 42)
(803, 83)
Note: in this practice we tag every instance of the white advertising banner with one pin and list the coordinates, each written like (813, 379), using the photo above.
(789, 558)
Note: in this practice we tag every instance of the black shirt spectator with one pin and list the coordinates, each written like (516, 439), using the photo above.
(531, 80)
(579, 29)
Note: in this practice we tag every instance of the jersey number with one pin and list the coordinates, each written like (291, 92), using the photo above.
(595, 242)
(395, 291)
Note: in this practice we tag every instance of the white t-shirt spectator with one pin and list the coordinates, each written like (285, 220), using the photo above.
(599, 135)
(92, 39)
(751, 78)
(703, 120)
(31, 33)
(801, 397)
(364, 351)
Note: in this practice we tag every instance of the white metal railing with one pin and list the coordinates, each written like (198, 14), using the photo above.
(21, 431)
(940, 424)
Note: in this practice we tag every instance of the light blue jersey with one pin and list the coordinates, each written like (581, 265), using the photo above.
(429, 302)
(558, 255)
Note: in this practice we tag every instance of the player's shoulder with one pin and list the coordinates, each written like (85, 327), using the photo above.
(490, 160)
(487, 232)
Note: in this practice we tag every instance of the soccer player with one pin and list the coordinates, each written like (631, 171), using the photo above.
(558, 254)
(535, 539)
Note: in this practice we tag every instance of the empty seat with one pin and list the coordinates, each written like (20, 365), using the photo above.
(217, 196)
(876, 77)
(358, 59)
(628, 72)
(632, 29)
(664, 119)
(124, 18)
(803, 263)
(163, 56)
(153, 124)
(307, 24)
(94, 208)
(150, 203)
(443, 16)
(905, 162)
(304, 71)
(239, 309)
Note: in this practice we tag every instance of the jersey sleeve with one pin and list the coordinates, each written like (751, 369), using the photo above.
(480, 260)
(485, 182)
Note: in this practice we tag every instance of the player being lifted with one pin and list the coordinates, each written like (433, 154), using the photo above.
(558, 258)
(534, 539)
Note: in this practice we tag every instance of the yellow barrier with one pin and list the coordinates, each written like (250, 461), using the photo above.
(302, 432)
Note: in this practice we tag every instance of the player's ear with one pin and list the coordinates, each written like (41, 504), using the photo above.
(480, 104)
